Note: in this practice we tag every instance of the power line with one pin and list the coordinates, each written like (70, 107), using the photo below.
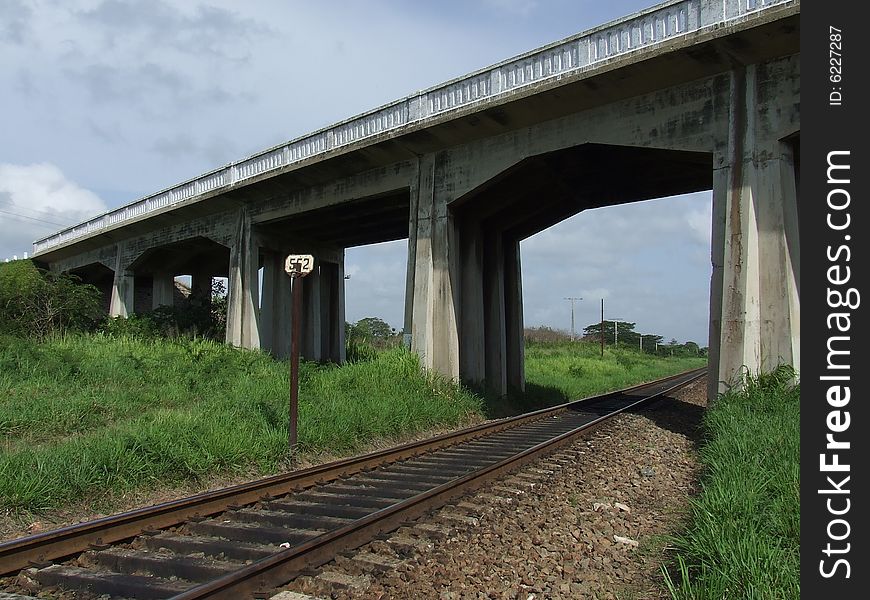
(38, 212)
(6, 212)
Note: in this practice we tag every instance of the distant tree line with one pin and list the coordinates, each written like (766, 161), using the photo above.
(621, 334)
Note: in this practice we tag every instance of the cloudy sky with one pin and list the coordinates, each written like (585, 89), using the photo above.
(105, 101)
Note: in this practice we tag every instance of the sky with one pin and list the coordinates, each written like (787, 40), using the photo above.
(106, 101)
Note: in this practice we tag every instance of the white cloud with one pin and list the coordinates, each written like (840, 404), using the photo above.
(36, 200)
(700, 224)
(376, 287)
(126, 98)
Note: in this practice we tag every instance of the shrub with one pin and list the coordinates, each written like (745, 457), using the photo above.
(140, 326)
(35, 302)
(545, 335)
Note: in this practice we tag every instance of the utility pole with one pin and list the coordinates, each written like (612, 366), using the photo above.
(602, 328)
(615, 329)
(572, 315)
(640, 338)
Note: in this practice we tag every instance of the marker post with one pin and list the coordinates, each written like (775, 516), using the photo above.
(297, 267)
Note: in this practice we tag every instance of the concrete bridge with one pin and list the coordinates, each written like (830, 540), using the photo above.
(685, 96)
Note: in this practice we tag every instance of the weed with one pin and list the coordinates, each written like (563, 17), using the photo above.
(744, 537)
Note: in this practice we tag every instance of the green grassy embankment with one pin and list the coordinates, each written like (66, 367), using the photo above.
(557, 372)
(92, 417)
(743, 540)
(90, 414)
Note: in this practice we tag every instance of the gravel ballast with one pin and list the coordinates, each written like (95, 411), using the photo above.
(589, 521)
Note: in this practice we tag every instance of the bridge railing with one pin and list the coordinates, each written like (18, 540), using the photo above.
(631, 34)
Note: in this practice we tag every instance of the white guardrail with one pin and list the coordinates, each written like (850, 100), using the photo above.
(630, 34)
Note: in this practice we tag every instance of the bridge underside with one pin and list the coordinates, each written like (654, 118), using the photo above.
(532, 195)
(466, 206)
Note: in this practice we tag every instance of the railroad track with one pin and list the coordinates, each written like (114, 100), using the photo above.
(243, 540)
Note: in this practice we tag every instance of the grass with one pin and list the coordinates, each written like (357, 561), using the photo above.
(744, 537)
(558, 372)
(85, 413)
(91, 417)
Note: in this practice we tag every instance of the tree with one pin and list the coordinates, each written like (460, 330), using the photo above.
(624, 331)
(374, 329)
(38, 302)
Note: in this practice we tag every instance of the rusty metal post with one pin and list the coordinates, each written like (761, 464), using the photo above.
(297, 266)
(296, 283)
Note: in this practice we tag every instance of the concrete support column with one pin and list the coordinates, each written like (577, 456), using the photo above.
(435, 331)
(755, 299)
(323, 312)
(163, 290)
(311, 340)
(412, 264)
(200, 287)
(503, 314)
(472, 336)
(494, 314)
(332, 311)
(514, 331)
(275, 310)
(121, 304)
(243, 318)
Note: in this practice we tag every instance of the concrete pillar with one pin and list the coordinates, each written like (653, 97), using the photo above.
(412, 262)
(121, 304)
(323, 312)
(435, 331)
(755, 300)
(494, 314)
(779, 248)
(502, 314)
(311, 339)
(472, 336)
(163, 290)
(332, 311)
(243, 318)
(514, 329)
(200, 287)
(275, 309)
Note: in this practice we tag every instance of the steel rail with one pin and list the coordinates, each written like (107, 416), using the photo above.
(60, 543)
(283, 566)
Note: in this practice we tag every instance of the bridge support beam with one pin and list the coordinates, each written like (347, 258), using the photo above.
(163, 290)
(491, 337)
(200, 287)
(466, 310)
(121, 303)
(755, 295)
(323, 312)
(515, 359)
(243, 315)
(276, 307)
(435, 321)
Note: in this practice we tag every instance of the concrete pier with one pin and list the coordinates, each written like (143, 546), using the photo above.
(685, 97)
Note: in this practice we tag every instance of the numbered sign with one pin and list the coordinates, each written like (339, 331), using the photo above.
(299, 265)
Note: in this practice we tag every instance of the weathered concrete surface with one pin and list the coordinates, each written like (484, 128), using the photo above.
(717, 109)
(755, 298)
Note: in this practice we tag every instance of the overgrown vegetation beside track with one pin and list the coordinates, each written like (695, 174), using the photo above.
(562, 371)
(744, 537)
(90, 416)
(84, 415)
